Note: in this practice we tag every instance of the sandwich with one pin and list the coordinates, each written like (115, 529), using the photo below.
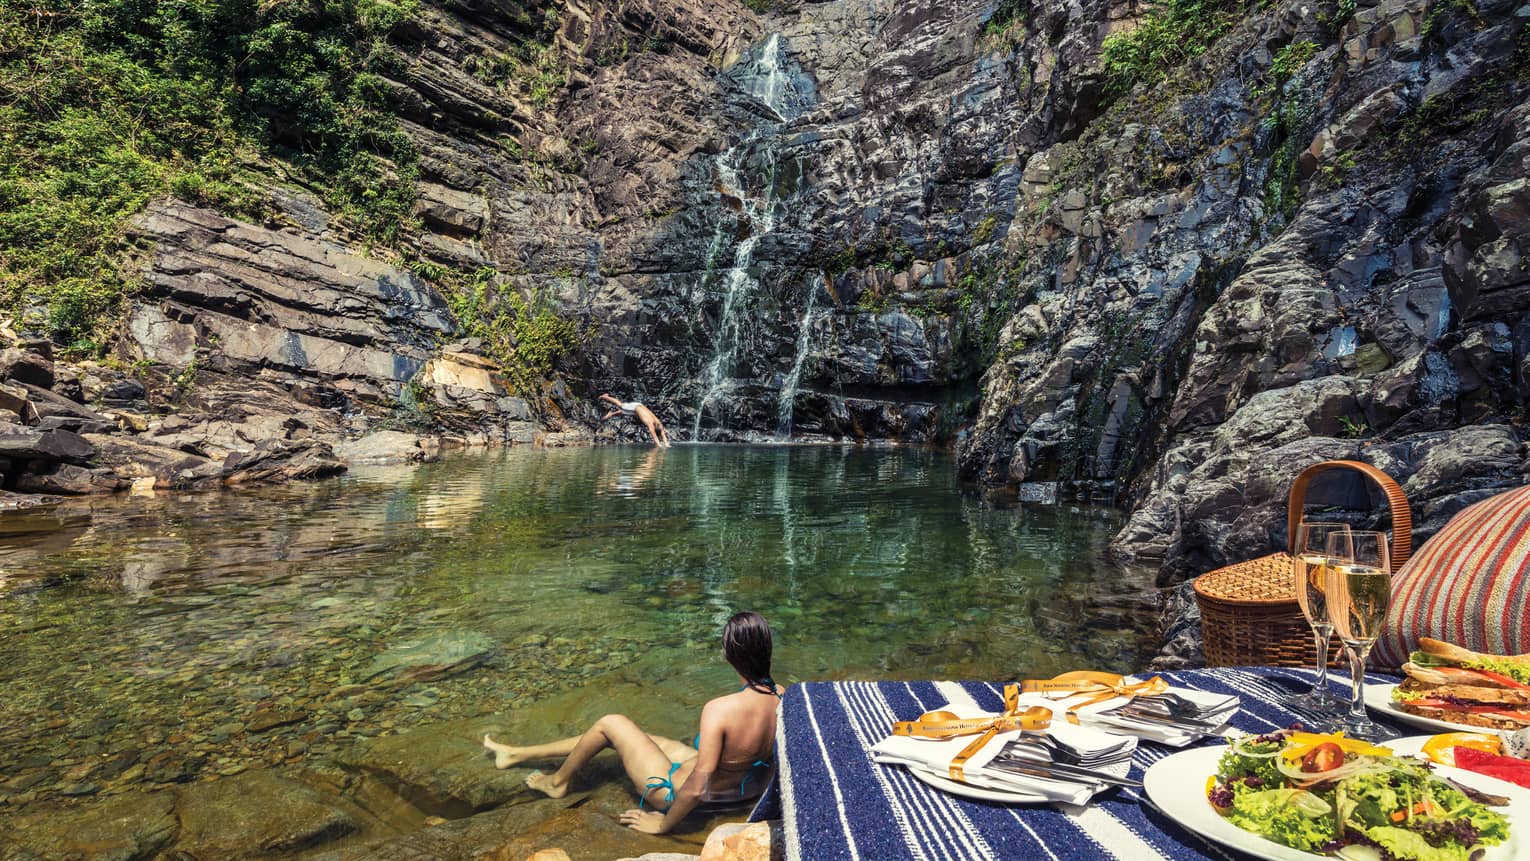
(1457, 685)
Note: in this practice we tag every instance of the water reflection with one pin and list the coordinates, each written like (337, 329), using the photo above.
(168, 617)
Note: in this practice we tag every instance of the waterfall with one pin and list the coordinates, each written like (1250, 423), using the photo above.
(770, 81)
(758, 213)
(785, 406)
(746, 172)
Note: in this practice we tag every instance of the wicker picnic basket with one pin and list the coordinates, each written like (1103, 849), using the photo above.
(1249, 614)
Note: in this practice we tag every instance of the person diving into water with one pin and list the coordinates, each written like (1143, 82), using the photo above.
(731, 761)
(643, 414)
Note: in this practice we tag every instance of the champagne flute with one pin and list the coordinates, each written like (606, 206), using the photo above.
(1359, 594)
(1310, 567)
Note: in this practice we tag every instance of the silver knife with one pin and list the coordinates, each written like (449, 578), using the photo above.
(1054, 770)
(1179, 723)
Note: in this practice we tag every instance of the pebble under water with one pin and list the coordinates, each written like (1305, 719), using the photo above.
(166, 640)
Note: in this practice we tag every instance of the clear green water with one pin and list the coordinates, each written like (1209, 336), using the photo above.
(141, 634)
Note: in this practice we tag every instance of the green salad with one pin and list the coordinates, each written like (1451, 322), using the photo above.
(1330, 794)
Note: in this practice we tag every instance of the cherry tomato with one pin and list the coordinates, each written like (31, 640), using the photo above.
(1325, 757)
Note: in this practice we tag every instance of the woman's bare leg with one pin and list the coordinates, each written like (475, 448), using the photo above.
(506, 755)
(677, 751)
(641, 757)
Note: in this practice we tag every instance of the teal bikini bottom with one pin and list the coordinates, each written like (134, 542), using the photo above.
(665, 783)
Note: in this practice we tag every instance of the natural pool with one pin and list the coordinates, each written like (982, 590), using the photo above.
(166, 640)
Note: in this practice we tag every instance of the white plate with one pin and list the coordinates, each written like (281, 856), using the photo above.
(1379, 699)
(969, 791)
(1175, 784)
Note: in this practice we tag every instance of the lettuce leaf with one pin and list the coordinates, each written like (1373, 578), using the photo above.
(1519, 671)
(1424, 659)
(1403, 843)
(1271, 813)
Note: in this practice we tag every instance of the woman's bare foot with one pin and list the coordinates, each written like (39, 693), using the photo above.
(504, 755)
(546, 783)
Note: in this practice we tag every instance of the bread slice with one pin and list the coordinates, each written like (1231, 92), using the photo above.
(1509, 700)
(1465, 718)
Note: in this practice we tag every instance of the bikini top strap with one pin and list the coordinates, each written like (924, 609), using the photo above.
(766, 682)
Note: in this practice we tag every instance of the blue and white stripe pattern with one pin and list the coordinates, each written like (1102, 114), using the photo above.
(837, 803)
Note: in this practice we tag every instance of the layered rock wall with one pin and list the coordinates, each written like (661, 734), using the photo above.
(929, 221)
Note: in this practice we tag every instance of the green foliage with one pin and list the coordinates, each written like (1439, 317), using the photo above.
(888, 253)
(1470, 103)
(762, 6)
(1290, 114)
(872, 301)
(543, 70)
(1352, 428)
(1008, 14)
(984, 231)
(1333, 170)
(1287, 62)
(1344, 12)
(1442, 9)
(184, 380)
(105, 105)
(1172, 33)
(987, 296)
(525, 338)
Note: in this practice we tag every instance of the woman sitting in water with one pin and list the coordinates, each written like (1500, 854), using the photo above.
(731, 762)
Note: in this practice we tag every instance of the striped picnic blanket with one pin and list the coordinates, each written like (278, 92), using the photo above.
(838, 804)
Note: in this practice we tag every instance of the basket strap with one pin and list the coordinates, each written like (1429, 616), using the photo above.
(1402, 514)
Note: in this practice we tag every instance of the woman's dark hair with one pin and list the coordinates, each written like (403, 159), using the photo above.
(747, 645)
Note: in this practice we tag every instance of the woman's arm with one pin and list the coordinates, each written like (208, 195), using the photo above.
(689, 793)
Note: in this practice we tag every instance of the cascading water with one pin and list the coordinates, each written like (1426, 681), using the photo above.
(785, 405)
(746, 173)
(759, 214)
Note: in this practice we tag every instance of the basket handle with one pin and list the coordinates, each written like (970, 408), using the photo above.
(1402, 515)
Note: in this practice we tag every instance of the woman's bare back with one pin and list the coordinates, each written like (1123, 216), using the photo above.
(747, 722)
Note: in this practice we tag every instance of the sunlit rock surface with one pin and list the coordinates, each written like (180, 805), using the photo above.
(918, 221)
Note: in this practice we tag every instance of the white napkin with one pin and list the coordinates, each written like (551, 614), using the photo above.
(1222, 706)
(934, 757)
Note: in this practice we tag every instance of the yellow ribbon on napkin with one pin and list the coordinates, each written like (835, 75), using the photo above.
(1104, 686)
(943, 724)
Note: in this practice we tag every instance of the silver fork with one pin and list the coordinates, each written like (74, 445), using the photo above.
(1061, 751)
(1176, 705)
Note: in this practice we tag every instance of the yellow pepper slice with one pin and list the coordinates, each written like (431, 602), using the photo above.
(1442, 748)
(1301, 742)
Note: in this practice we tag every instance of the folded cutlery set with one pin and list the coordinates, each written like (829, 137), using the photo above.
(1083, 750)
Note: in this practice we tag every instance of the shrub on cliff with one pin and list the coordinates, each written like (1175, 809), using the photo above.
(1169, 34)
(105, 105)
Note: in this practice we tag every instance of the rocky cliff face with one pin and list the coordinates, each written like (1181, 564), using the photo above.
(1306, 243)
(924, 221)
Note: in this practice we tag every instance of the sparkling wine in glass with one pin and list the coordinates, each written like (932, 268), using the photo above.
(1359, 594)
(1310, 567)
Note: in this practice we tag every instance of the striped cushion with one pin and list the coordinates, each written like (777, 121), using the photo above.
(1469, 584)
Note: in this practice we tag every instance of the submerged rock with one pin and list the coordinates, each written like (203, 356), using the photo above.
(442, 769)
(258, 814)
(128, 828)
(440, 655)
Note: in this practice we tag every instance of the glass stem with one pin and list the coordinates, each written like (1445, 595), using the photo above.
(1321, 636)
(1358, 652)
